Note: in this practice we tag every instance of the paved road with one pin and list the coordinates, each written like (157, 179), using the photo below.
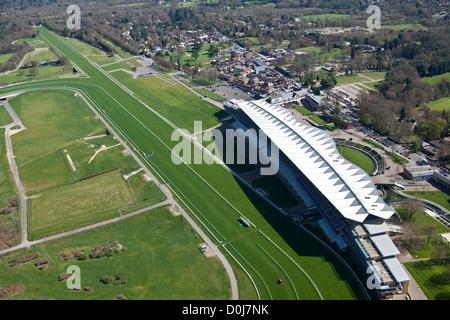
(23, 200)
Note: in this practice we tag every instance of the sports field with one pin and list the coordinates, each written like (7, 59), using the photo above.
(274, 248)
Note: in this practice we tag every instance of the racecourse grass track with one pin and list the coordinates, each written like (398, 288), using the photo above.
(273, 249)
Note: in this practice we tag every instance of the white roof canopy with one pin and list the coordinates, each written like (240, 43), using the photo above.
(314, 152)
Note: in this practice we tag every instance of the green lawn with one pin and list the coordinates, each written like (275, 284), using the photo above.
(357, 158)
(172, 100)
(161, 261)
(437, 79)
(75, 202)
(43, 72)
(41, 56)
(439, 197)
(5, 57)
(303, 110)
(431, 279)
(403, 26)
(54, 119)
(5, 118)
(441, 104)
(102, 59)
(120, 52)
(7, 185)
(350, 79)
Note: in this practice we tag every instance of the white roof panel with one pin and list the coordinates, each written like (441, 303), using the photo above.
(314, 152)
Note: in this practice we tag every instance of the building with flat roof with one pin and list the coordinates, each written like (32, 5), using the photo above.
(351, 213)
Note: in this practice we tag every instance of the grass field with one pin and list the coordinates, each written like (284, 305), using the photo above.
(58, 123)
(437, 79)
(439, 197)
(172, 100)
(5, 57)
(441, 104)
(54, 120)
(403, 26)
(303, 110)
(88, 198)
(162, 261)
(431, 279)
(5, 118)
(40, 56)
(44, 72)
(275, 248)
(357, 158)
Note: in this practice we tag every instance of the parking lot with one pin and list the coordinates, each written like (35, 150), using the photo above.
(229, 92)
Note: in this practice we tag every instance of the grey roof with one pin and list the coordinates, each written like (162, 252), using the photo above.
(385, 245)
(397, 270)
(376, 226)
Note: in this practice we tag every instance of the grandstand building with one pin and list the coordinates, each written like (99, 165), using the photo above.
(350, 212)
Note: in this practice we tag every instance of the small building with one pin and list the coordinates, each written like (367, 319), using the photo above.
(418, 173)
(314, 103)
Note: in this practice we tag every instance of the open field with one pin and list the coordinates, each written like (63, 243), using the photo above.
(5, 118)
(441, 104)
(74, 202)
(213, 197)
(439, 197)
(430, 278)
(161, 261)
(43, 72)
(5, 57)
(54, 120)
(437, 79)
(172, 100)
(403, 26)
(63, 127)
(40, 56)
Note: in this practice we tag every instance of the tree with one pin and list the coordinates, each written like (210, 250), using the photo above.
(63, 60)
(429, 230)
(33, 71)
(195, 54)
(411, 207)
(213, 50)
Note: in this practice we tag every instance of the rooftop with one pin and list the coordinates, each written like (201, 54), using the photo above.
(314, 152)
